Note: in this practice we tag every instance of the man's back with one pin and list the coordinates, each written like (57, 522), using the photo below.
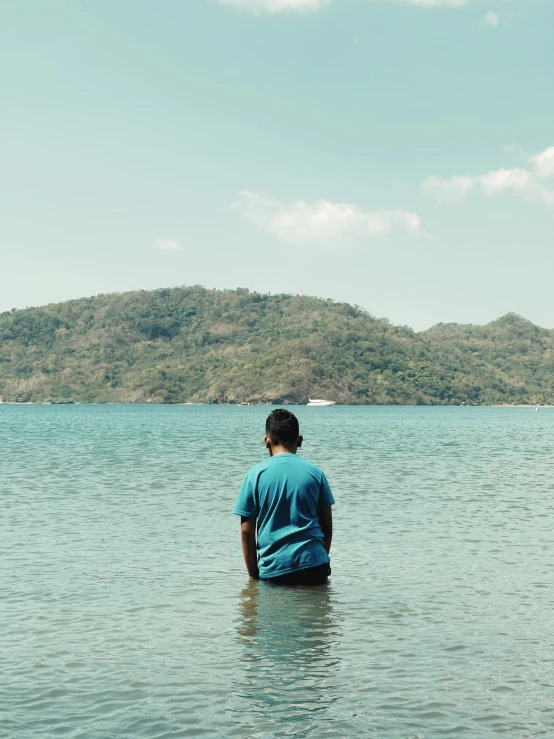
(286, 494)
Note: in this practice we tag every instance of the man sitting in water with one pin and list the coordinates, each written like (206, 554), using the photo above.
(290, 499)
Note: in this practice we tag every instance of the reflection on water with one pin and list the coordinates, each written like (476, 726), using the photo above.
(289, 656)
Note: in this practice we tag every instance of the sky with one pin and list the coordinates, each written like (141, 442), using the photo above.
(394, 154)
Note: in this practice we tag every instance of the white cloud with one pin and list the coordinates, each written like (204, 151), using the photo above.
(491, 20)
(544, 163)
(275, 6)
(525, 182)
(520, 180)
(167, 245)
(439, 3)
(321, 221)
(280, 6)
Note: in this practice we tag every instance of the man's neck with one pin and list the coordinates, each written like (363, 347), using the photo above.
(280, 449)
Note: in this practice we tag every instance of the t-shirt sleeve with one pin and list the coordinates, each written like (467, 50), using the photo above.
(245, 504)
(325, 495)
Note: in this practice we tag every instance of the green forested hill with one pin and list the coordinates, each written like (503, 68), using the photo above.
(199, 345)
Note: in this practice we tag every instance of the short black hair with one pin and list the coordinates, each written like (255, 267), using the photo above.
(282, 427)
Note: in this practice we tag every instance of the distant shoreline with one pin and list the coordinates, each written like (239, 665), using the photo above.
(161, 346)
(294, 405)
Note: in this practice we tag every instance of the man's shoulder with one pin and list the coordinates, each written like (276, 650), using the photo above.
(303, 461)
(290, 459)
(309, 467)
(255, 470)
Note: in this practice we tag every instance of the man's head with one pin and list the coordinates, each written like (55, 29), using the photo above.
(282, 432)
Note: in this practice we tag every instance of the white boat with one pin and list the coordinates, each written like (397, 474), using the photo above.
(318, 402)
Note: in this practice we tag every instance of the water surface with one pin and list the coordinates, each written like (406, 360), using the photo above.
(125, 610)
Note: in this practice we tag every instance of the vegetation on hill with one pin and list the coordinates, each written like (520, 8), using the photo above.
(198, 345)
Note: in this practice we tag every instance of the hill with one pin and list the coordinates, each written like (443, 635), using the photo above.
(198, 345)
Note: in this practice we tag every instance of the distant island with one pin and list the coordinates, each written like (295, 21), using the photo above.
(191, 344)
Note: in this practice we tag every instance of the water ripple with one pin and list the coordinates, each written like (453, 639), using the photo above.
(125, 612)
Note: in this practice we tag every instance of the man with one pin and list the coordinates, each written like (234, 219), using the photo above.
(290, 500)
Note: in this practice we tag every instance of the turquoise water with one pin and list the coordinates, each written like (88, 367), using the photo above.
(125, 610)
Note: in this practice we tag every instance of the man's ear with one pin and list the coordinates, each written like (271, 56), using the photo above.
(299, 442)
(268, 445)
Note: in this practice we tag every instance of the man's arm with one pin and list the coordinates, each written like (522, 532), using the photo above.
(326, 523)
(249, 552)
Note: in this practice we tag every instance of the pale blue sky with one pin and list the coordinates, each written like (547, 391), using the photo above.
(310, 151)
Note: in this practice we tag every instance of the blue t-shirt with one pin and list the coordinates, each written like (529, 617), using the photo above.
(285, 493)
